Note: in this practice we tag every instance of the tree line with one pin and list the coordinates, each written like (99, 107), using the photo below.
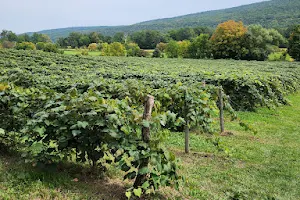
(9, 39)
(230, 40)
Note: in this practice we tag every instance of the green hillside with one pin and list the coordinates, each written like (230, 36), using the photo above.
(274, 13)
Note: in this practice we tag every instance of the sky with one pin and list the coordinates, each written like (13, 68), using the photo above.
(35, 15)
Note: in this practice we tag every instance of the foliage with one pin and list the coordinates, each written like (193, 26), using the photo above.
(183, 48)
(40, 45)
(280, 56)
(227, 40)
(172, 49)
(200, 47)
(8, 44)
(249, 84)
(76, 39)
(157, 53)
(294, 43)
(260, 42)
(48, 47)
(113, 49)
(144, 53)
(36, 37)
(132, 49)
(93, 46)
(161, 46)
(25, 46)
(6, 35)
(119, 37)
(147, 39)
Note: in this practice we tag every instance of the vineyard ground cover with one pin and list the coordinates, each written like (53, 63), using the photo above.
(262, 166)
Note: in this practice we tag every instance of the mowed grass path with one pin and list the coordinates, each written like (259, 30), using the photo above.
(262, 166)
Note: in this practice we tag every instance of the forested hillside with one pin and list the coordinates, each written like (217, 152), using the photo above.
(275, 14)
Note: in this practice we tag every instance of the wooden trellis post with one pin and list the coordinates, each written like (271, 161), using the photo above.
(221, 107)
(149, 103)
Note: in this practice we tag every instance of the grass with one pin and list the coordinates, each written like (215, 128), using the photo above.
(262, 166)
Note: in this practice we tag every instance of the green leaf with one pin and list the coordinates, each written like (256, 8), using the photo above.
(143, 170)
(36, 147)
(145, 185)
(137, 192)
(146, 124)
(93, 98)
(75, 132)
(128, 194)
(39, 130)
(2, 132)
(81, 124)
(114, 134)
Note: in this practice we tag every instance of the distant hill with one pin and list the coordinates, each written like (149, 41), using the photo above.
(274, 13)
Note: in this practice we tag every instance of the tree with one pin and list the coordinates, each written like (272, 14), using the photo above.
(105, 49)
(36, 37)
(200, 47)
(147, 39)
(113, 49)
(24, 38)
(95, 37)
(183, 48)
(172, 49)
(227, 40)
(117, 49)
(182, 34)
(73, 39)
(84, 40)
(132, 49)
(294, 43)
(8, 36)
(259, 42)
(119, 37)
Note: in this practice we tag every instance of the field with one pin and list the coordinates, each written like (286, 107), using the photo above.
(55, 107)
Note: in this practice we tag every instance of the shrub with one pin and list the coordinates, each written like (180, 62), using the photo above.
(25, 46)
(8, 44)
(144, 53)
(84, 52)
(161, 46)
(49, 47)
(40, 46)
(133, 49)
(294, 43)
(280, 56)
(157, 53)
(172, 49)
(113, 49)
(92, 47)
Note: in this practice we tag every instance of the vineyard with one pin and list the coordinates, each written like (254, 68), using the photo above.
(90, 109)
